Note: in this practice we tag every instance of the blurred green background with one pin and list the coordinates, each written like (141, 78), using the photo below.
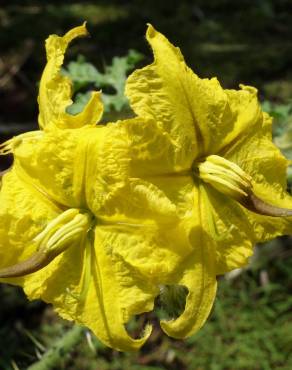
(247, 41)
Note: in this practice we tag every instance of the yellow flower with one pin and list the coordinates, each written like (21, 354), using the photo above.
(79, 228)
(210, 151)
(98, 219)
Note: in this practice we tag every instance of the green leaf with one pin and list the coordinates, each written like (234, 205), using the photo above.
(111, 81)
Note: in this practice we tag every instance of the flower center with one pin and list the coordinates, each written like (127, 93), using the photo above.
(231, 180)
(66, 230)
(225, 176)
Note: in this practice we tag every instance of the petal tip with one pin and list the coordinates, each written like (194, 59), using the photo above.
(76, 32)
(151, 31)
(250, 89)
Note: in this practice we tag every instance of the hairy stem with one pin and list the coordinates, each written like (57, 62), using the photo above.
(60, 350)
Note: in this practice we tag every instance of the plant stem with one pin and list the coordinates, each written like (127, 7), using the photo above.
(65, 345)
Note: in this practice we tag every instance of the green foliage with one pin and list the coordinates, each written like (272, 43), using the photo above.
(282, 129)
(112, 81)
(251, 324)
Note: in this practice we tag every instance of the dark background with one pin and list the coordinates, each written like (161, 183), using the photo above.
(243, 41)
(246, 41)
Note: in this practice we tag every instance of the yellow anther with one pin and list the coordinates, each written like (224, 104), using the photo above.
(228, 178)
(61, 233)
(225, 176)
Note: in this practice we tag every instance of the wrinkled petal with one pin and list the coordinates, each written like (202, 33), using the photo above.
(152, 250)
(90, 168)
(132, 261)
(55, 90)
(61, 163)
(197, 114)
(197, 274)
(155, 94)
(112, 282)
(150, 149)
(245, 114)
(256, 154)
(115, 295)
(231, 231)
(93, 289)
(127, 180)
(24, 213)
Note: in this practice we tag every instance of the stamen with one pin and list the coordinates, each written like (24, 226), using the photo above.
(225, 176)
(216, 159)
(228, 178)
(64, 231)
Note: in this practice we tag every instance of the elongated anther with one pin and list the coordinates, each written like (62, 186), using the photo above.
(231, 180)
(225, 176)
(65, 230)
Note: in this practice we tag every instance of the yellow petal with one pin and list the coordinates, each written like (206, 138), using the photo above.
(55, 89)
(95, 292)
(197, 274)
(119, 278)
(256, 154)
(179, 192)
(245, 114)
(127, 160)
(115, 295)
(24, 213)
(56, 162)
(157, 93)
(150, 149)
(90, 116)
(91, 168)
(230, 229)
(201, 283)
(152, 250)
(197, 114)
(132, 260)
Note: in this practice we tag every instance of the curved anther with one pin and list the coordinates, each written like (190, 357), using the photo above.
(225, 176)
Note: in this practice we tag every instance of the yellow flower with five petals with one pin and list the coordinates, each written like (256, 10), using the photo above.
(95, 219)
(210, 151)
